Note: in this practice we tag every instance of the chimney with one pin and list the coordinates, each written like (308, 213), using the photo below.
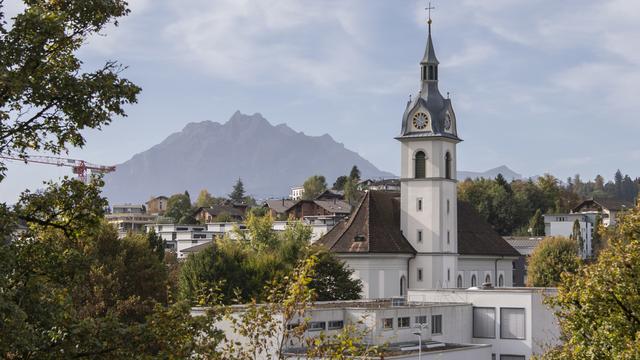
(282, 201)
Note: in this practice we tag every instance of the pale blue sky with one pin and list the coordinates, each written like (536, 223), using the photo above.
(541, 86)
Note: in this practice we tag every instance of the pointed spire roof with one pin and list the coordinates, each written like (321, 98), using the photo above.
(429, 52)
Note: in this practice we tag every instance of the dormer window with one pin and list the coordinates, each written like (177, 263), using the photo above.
(359, 238)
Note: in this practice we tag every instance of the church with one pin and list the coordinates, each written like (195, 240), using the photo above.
(422, 237)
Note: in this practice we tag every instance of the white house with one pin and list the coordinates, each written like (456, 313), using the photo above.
(296, 193)
(562, 225)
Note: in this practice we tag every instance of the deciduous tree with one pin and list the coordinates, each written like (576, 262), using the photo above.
(550, 259)
(314, 186)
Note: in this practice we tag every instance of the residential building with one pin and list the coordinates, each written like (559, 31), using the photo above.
(380, 185)
(157, 205)
(608, 209)
(180, 237)
(129, 218)
(330, 194)
(278, 207)
(296, 193)
(210, 214)
(304, 208)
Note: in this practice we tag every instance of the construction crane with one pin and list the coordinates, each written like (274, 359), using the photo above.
(80, 167)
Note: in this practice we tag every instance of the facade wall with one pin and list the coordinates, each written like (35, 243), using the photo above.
(483, 266)
(380, 275)
(545, 330)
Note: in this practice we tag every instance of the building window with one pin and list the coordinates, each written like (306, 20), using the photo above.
(487, 279)
(419, 274)
(448, 275)
(292, 326)
(484, 322)
(448, 237)
(404, 322)
(500, 280)
(448, 206)
(447, 165)
(422, 319)
(512, 323)
(194, 241)
(316, 326)
(513, 357)
(474, 282)
(424, 73)
(420, 165)
(419, 204)
(431, 75)
(336, 325)
(387, 323)
(459, 284)
(419, 235)
(436, 324)
(402, 282)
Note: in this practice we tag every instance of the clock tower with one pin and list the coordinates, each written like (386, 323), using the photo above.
(428, 216)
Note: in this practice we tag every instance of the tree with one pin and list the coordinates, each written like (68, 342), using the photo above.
(314, 186)
(46, 97)
(156, 244)
(237, 195)
(597, 243)
(617, 181)
(333, 279)
(536, 224)
(550, 259)
(599, 183)
(576, 235)
(340, 182)
(355, 173)
(179, 208)
(204, 199)
(598, 306)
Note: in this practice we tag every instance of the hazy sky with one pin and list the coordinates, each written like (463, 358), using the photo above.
(541, 86)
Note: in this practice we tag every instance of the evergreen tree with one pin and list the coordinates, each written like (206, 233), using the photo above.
(156, 244)
(617, 180)
(536, 224)
(629, 189)
(237, 195)
(502, 182)
(355, 173)
(598, 183)
(340, 182)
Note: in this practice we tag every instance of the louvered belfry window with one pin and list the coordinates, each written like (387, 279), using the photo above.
(420, 165)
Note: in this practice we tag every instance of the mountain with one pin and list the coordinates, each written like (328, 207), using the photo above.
(490, 174)
(208, 155)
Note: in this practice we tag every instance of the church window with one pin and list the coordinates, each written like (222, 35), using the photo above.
(459, 284)
(474, 282)
(448, 237)
(447, 166)
(448, 206)
(419, 204)
(501, 281)
(420, 165)
(487, 279)
(448, 275)
(419, 274)
(424, 73)
(419, 235)
(402, 286)
(431, 76)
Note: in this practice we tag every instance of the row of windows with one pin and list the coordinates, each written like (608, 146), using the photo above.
(405, 322)
(512, 323)
(419, 205)
(474, 280)
(320, 325)
(420, 165)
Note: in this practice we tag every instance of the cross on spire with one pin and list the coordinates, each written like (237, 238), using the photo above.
(429, 8)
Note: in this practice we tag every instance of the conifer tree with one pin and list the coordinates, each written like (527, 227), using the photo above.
(237, 195)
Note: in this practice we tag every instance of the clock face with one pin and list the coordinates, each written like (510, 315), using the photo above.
(420, 120)
(447, 122)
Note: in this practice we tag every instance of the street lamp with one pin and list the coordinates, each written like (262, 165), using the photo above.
(419, 335)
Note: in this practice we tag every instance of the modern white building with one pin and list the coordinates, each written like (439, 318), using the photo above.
(562, 225)
(296, 193)
(514, 321)
(181, 237)
(422, 237)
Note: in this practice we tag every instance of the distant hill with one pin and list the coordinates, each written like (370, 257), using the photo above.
(490, 174)
(210, 155)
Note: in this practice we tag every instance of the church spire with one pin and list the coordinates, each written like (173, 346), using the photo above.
(429, 63)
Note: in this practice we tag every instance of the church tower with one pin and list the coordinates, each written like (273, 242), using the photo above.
(428, 217)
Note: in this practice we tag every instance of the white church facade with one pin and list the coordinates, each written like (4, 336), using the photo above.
(422, 237)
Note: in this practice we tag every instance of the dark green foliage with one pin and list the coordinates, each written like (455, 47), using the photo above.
(45, 96)
(355, 173)
(536, 224)
(237, 271)
(340, 182)
(237, 195)
(333, 279)
(576, 235)
(179, 209)
(156, 244)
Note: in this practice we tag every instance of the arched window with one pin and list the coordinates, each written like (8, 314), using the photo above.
(459, 282)
(431, 75)
(402, 285)
(487, 279)
(474, 282)
(420, 165)
(500, 280)
(447, 166)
